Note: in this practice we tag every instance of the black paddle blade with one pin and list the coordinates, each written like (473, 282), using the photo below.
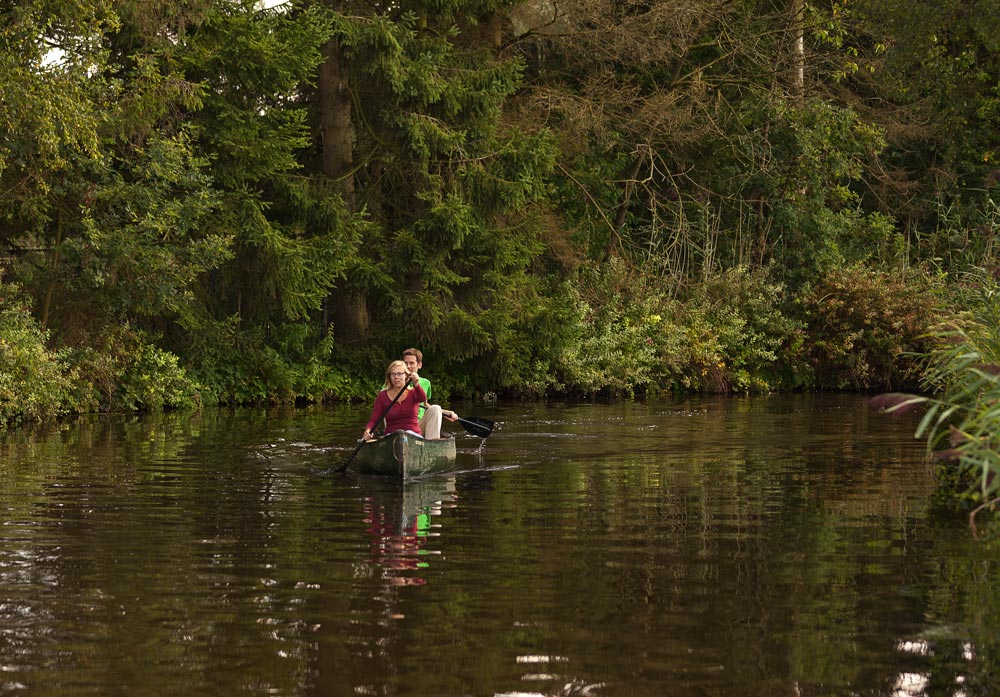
(477, 425)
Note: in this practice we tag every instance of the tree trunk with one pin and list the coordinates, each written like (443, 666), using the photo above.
(336, 128)
(346, 306)
(614, 234)
(799, 49)
(53, 271)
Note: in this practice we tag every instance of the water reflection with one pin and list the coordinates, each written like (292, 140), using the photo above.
(953, 662)
(400, 519)
(401, 523)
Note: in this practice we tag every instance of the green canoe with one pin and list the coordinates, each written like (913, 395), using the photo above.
(404, 455)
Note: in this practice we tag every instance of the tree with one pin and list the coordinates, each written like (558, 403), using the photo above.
(697, 123)
(50, 126)
(927, 73)
(443, 180)
(158, 174)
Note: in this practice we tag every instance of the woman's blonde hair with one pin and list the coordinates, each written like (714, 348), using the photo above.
(394, 367)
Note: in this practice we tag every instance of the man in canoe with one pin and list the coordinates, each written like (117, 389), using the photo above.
(429, 414)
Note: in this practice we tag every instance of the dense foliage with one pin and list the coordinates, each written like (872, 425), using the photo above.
(222, 201)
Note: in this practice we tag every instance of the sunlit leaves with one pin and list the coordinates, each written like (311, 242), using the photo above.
(50, 57)
(33, 384)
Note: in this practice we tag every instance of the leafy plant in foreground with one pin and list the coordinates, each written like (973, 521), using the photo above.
(962, 421)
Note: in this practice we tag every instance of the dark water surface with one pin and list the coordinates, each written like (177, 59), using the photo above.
(780, 545)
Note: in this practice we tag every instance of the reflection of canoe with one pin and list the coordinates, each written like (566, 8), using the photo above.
(404, 454)
(405, 504)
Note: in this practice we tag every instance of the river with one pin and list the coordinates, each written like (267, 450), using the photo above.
(780, 545)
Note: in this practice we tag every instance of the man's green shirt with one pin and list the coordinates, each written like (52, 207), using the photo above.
(426, 384)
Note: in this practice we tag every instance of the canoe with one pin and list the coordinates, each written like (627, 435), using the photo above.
(404, 455)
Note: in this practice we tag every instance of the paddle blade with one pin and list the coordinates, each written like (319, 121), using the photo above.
(477, 425)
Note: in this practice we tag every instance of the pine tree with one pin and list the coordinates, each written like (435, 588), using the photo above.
(446, 182)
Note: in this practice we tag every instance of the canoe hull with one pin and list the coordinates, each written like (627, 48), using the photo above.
(404, 455)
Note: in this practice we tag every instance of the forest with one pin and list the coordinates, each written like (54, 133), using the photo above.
(235, 202)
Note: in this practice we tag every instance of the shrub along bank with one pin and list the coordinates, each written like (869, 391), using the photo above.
(619, 334)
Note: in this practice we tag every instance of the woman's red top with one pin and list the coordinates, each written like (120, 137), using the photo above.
(403, 414)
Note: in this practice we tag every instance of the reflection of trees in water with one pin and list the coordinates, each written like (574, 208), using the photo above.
(787, 543)
(704, 556)
(942, 666)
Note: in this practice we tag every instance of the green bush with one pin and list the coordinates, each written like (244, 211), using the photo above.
(33, 385)
(123, 371)
(727, 334)
(236, 365)
(622, 335)
(739, 338)
(308, 371)
(865, 327)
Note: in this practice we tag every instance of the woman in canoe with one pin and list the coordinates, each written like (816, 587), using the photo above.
(398, 410)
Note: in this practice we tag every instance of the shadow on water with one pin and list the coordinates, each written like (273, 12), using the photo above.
(714, 546)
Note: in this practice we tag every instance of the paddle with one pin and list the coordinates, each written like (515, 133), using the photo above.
(477, 425)
(474, 425)
(343, 467)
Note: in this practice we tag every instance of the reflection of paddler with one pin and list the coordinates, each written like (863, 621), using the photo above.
(392, 549)
(420, 529)
(421, 524)
(399, 519)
